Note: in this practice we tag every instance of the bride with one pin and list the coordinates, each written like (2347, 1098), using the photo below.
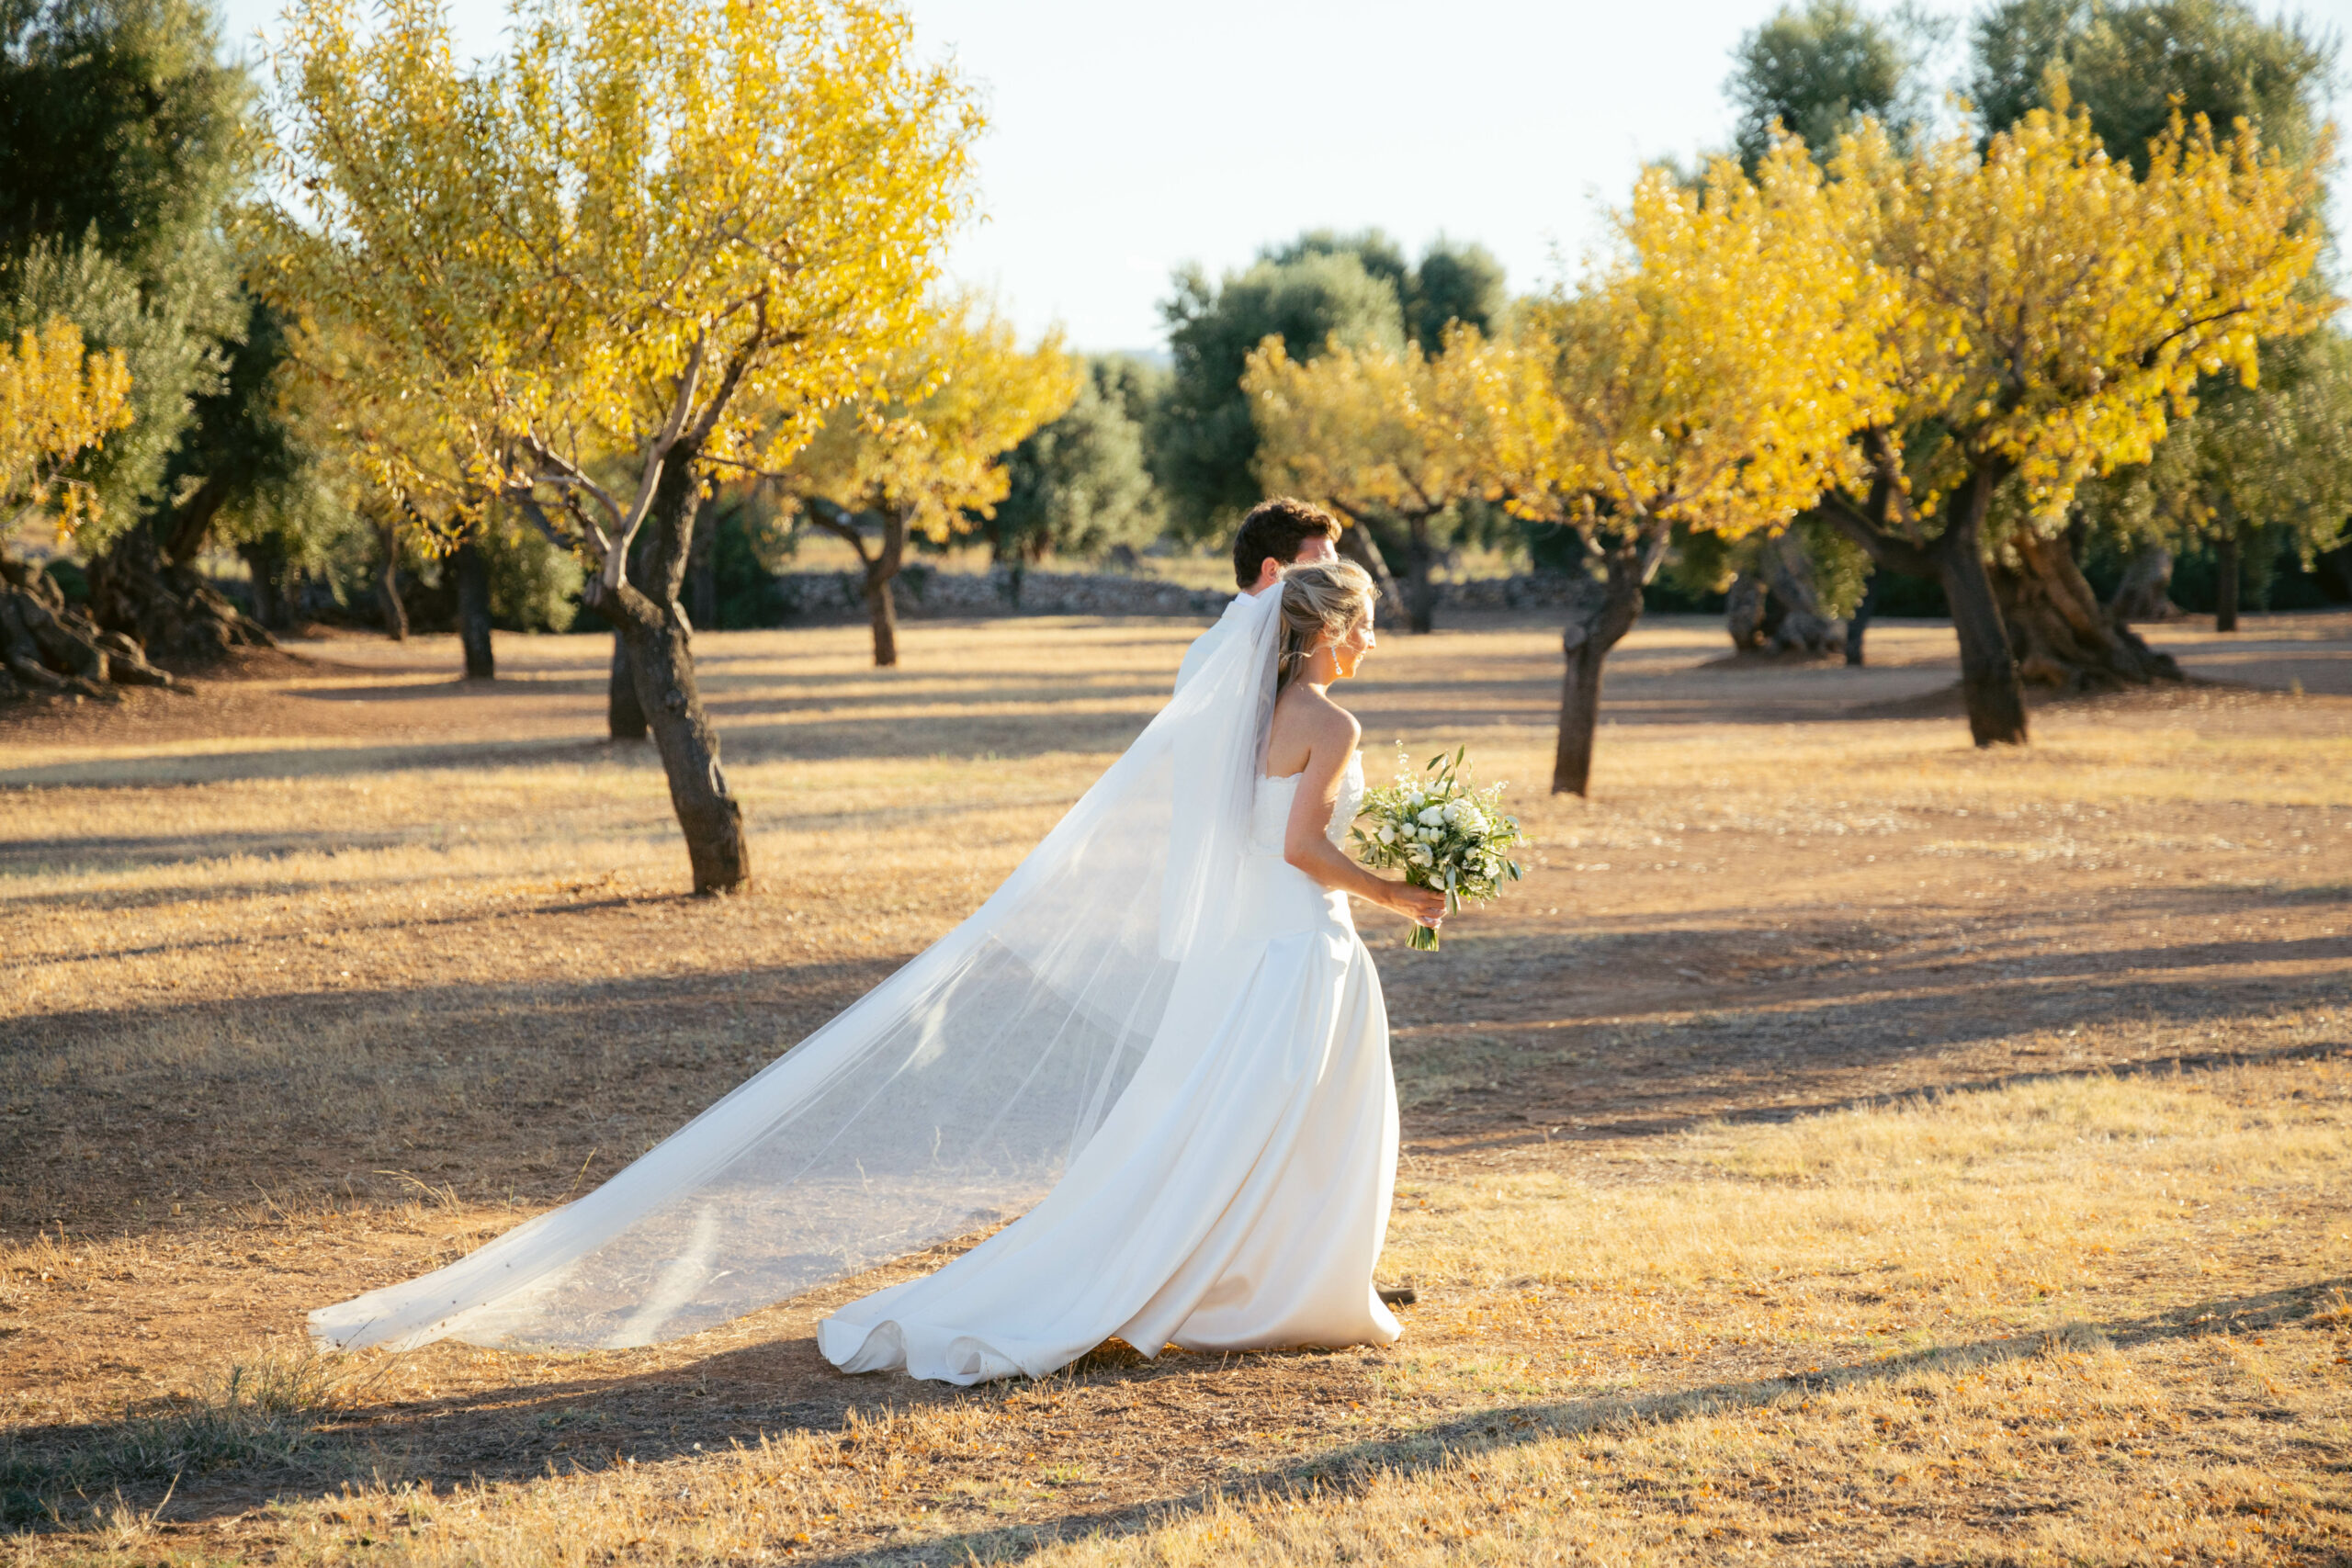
(1161, 1037)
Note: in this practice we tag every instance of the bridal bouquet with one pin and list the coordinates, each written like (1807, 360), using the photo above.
(1441, 832)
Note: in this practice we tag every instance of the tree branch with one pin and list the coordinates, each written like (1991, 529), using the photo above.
(657, 455)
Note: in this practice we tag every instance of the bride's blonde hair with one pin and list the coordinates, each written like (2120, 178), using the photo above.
(1319, 599)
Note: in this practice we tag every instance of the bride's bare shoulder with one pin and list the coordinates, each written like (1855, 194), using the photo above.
(1312, 717)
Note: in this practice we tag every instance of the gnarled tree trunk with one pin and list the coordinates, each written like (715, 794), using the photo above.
(1775, 606)
(47, 648)
(2145, 592)
(2061, 634)
(166, 608)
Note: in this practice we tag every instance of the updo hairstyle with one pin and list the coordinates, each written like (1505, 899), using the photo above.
(1319, 599)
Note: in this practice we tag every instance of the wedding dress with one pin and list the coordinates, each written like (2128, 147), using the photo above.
(1236, 1197)
(1157, 1048)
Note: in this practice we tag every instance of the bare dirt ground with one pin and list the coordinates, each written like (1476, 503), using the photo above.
(1823, 1064)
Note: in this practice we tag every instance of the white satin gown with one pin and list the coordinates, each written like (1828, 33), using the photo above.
(1237, 1195)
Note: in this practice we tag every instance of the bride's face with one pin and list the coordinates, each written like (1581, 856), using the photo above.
(1349, 651)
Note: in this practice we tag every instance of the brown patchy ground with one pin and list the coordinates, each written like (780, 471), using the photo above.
(1847, 1144)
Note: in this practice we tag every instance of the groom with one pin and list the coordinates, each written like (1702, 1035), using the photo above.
(1283, 532)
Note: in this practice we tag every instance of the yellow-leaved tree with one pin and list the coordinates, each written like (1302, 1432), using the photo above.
(1374, 432)
(923, 451)
(57, 400)
(1708, 375)
(2040, 313)
(646, 248)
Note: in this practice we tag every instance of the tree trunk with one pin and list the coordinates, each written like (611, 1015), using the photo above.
(1745, 611)
(1857, 624)
(881, 608)
(2145, 593)
(473, 609)
(1988, 672)
(47, 648)
(1774, 606)
(269, 602)
(169, 611)
(191, 525)
(661, 662)
(624, 715)
(1356, 544)
(1800, 627)
(702, 568)
(2225, 583)
(387, 584)
(1599, 617)
(2061, 635)
(1420, 560)
(2335, 570)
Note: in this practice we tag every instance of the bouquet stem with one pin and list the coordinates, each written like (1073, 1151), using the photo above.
(1424, 940)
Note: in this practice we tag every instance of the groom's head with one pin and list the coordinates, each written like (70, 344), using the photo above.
(1283, 532)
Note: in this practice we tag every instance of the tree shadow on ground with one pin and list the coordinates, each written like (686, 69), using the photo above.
(1348, 1470)
(519, 1433)
(1517, 1042)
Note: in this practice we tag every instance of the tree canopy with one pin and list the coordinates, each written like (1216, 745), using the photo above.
(2046, 313)
(1325, 286)
(649, 248)
(922, 452)
(1374, 433)
(2128, 66)
(1077, 485)
(125, 141)
(1816, 70)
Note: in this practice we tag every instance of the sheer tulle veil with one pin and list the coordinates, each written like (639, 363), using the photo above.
(951, 1095)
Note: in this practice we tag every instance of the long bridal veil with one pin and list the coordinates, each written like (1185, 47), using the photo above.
(951, 1095)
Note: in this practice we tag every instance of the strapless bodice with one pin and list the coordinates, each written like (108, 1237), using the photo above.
(1271, 819)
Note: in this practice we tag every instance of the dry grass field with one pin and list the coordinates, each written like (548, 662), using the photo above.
(1848, 1146)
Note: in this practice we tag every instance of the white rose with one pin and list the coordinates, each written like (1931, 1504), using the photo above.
(1433, 816)
(1452, 809)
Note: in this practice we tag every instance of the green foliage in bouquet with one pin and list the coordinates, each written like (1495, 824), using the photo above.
(1442, 832)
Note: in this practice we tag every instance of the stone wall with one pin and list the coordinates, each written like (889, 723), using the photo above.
(923, 593)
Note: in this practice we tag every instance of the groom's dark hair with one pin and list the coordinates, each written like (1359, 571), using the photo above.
(1277, 528)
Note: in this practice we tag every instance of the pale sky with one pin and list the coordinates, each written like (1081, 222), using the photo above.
(1125, 140)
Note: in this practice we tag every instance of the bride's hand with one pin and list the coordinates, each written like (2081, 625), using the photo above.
(1422, 906)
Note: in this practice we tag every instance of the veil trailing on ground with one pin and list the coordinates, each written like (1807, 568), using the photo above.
(950, 1095)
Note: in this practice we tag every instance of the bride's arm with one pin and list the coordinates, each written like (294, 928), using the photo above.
(1332, 733)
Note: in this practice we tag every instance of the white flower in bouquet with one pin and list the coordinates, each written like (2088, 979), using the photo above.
(1441, 832)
